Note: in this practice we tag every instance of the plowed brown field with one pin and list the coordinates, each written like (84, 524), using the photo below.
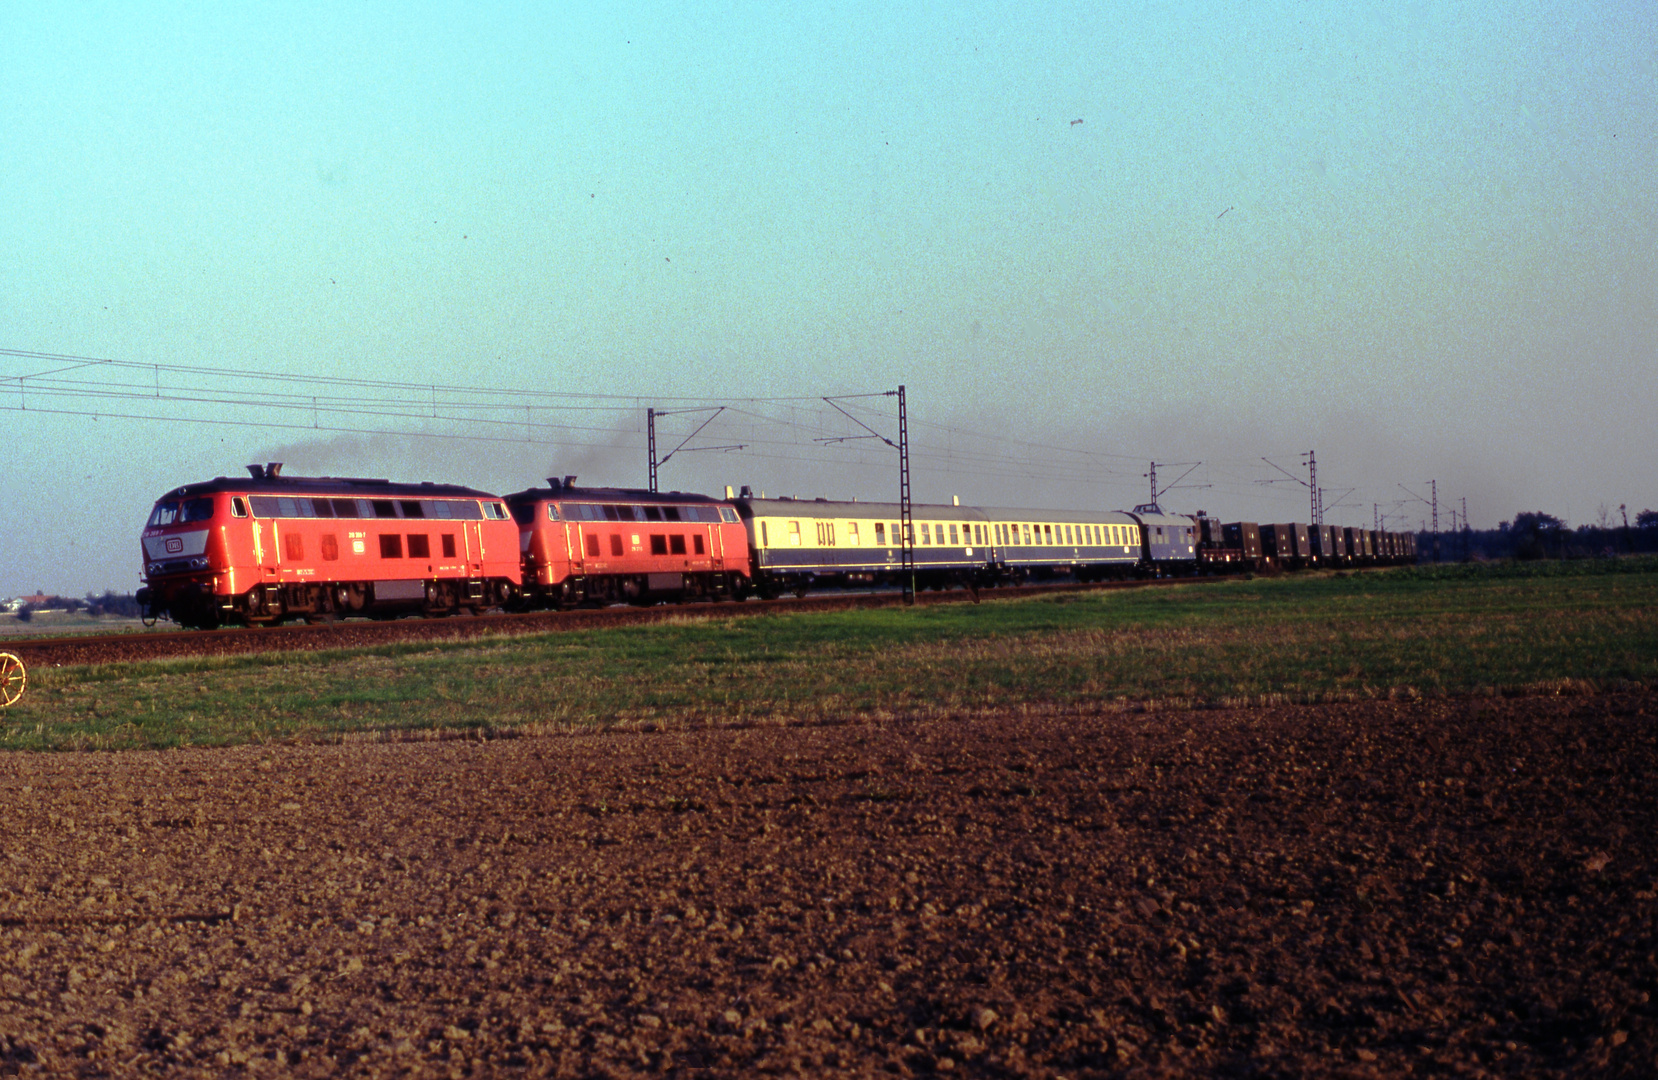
(1463, 886)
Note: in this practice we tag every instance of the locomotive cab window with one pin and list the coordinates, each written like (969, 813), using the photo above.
(238, 508)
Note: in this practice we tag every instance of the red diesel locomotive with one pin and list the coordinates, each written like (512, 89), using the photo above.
(609, 545)
(271, 547)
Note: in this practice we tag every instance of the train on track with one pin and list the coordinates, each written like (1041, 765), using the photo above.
(272, 548)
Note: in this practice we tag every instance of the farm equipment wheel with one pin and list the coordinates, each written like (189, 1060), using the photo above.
(13, 678)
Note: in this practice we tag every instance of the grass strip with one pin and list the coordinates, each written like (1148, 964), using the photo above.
(1467, 629)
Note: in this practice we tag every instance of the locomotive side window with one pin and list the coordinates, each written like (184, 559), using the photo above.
(391, 546)
(615, 543)
(659, 544)
(610, 514)
(592, 546)
(346, 508)
(448, 545)
(671, 513)
(419, 546)
(322, 508)
(676, 544)
(293, 546)
(330, 546)
(383, 508)
(653, 513)
(696, 542)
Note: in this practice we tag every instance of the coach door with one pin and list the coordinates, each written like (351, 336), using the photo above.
(265, 543)
(472, 537)
(573, 547)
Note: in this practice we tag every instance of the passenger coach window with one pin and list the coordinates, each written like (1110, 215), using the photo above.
(794, 534)
(880, 534)
(926, 533)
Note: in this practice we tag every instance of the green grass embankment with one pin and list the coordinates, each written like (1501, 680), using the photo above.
(1456, 630)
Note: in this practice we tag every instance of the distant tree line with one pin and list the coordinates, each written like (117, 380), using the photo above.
(1536, 535)
(120, 605)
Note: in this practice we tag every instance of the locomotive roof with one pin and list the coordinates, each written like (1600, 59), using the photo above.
(340, 486)
(572, 493)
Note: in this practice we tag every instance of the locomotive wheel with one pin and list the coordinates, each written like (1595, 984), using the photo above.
(13, 678)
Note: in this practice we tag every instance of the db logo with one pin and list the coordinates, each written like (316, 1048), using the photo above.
(174, 545)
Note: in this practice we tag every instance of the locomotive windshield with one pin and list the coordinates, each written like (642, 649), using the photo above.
(181, 511)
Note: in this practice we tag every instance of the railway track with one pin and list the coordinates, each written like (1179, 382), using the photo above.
(357, 633)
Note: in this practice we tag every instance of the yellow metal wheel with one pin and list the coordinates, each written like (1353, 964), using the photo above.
(12, 678)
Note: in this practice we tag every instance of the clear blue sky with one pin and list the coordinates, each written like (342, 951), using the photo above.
(1416, 237)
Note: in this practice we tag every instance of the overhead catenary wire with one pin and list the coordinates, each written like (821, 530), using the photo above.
(796, 428)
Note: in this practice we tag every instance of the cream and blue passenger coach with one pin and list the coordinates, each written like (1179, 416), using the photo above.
(799, 544)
